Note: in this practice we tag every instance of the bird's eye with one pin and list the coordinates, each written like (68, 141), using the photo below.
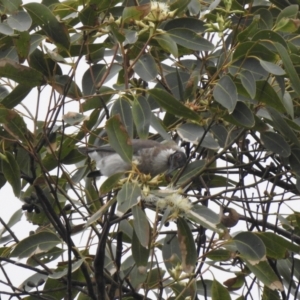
(177, 155)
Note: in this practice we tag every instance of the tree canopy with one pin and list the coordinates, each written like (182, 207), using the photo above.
(221, 79)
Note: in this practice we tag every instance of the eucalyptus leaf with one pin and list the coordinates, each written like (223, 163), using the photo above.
(119, 138)
(141, 113)
(128, 196)
(171, 105)
(141, 226)
(187, 246)
(225, 93)
(145, 67)
(194, 133)
(20, 21)
(41, 241)
(276, 143)
(55, 30)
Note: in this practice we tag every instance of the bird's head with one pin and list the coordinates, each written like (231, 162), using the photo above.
(176, 160)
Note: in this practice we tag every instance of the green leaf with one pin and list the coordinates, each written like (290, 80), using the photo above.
(140, 254)
(187, 246)
(102, 5)
(275, 143)
(14, 124)
(171, 252)
(190, 39)
(73, 118)
(131, 36)
(191, 170)
(269, 294)
(100, 212)
(179, 6)
(220, 133)
(287, 25)
(16, 96)
(265, 274)
(290, 11)
(5, 29)
(91, 76)
(193, 133)
(282, 126)
(138, 276)
(141, 113)
(277, 247)
(122, 108)
(11, 172)
(251, 247)
(206, 217)
(45, 257)
(154, 278)
(288, 104)
(117, 33)
(248, 82)
(225, 93)
(289, 68)
(110, 183)
(254, 49)
(204, 287)
(43, 17)
(42, 241)
(42, 63)
(167, 43)
(56, 288)
(268, 37)
(14, 219)
(250, 30)
(105, 94)
(74, 266)
(248, 64)
(242, 115)
(184, 291)
(88, 15)
(294, 160)
(157, 124)
(128, 196)
(173, 106)
(141, 226)
(145, 67)
(119, 138)
(11, 6)
(135, 12)
(20, 21)
(265, 93)
(219, 292)
(175, 80)
(64, 85)
(21, 74)
(272, 68)
(193, 24)
(34, 279)
(22, 44)
(219, 255)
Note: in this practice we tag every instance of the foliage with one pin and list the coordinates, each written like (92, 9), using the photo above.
(218, 77)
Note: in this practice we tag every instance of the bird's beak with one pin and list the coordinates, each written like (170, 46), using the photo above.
(171, 168)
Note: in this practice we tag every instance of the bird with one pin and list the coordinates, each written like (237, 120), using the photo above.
(151, 157)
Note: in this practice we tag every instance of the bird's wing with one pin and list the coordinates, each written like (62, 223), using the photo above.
(106, 150)
(102, 151)
(137, 145)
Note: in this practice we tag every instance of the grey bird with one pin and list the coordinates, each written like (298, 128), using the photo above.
(151, 157)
